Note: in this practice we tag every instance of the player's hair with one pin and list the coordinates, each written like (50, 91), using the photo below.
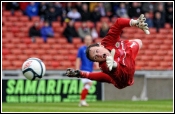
(88, 48)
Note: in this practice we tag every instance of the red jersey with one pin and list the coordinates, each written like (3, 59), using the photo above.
(125, 53)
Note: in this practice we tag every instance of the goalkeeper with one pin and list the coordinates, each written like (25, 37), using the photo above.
(116, 57)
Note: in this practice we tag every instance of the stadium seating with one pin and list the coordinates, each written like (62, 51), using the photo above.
(155, 54)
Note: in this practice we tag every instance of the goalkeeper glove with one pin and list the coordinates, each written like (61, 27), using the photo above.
(76, 73)
(110, 60)
(140, 23)
(73, 73)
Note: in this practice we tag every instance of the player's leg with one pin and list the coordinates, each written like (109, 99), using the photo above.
(86, 86)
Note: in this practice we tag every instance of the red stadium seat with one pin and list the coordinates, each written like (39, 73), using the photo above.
(146, 58)
(51, 41)
(24, 19)
(63, 52)
(33, 46)
(59, 30)
(17, 64)
(141, 64)
(28, 52)
(18, 13)
(163, 31)
(105, 19)
(59, 57)
(5, 40)
(45, 46)
(16, 52)
(68, 46)
(153, 65)
(27, 40)
(73, 51)
(168, 58)
(149, 52)
(77, 25)
(39, 40)
(20, 24)
(66, 64)
(55, 64)
(16, 41)
(157, 41)
(56, 24)
(52, 52)
(153, 47)
(40, 51)
(71, 57)
(76, 40)
(11, 57)
(90, 24)
(152, 30)
(6, 64)
(5, 51)
(168, 42)
(161, 53)
(97, 40)
(47, 57)
(157, 58)
(35, 18)
(6, 13)
(167, 26)
(56, 47)
(62, 41)
(9, 46)
(23, 57)
(13, 19)
(22, 46)
(78, 45)
(8, 24)
(165, 47)
(166, 65)
(170, 52)
(57, 35)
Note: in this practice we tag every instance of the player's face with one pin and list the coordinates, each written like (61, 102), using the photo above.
(98, 53)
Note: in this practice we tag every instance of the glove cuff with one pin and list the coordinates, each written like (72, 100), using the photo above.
(115, 64)
(133, 22)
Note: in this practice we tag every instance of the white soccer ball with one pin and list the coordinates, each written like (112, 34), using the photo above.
(33, 69)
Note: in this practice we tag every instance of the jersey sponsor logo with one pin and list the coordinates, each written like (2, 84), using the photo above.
(117, 44)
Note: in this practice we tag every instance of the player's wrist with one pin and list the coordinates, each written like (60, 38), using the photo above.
(133, 22)
(114, 64)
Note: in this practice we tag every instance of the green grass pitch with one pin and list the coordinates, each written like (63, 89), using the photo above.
(98, 106)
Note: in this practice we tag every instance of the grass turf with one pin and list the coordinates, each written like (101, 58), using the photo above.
(98, 106)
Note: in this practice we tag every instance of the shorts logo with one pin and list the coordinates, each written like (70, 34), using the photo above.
(117, 45)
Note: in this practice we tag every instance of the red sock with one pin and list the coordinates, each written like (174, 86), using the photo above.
(97, 76)
(84, 93)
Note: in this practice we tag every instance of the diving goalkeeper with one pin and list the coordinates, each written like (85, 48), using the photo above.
(116, 57)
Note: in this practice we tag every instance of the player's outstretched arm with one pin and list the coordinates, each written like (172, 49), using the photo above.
(140, 23)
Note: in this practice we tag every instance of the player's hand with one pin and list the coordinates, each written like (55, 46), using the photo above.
(110, 60)
(140, 23)
(72, 73)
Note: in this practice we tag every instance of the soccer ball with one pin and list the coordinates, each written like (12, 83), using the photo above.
(33, 69)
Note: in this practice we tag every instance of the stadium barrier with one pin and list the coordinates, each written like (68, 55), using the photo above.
(54, 87)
